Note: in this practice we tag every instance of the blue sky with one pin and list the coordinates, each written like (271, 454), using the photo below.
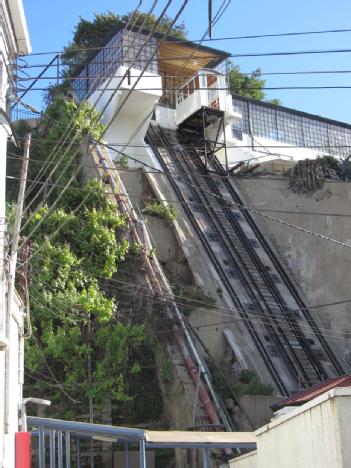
(51, 27)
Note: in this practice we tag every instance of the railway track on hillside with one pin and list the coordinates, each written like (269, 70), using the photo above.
(260, 302)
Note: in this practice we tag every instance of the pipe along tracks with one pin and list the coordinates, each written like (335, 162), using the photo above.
(254, 278)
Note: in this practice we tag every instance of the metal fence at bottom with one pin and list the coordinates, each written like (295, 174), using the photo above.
(58, 443)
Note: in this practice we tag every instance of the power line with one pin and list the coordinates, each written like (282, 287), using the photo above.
(286, 146)
(252, 54)
(253, 315)
(241, 206)
(245, 207)
(179, 202)
(77, 136)
(253, 73)
(34, 254)
(249, 88)
(226, 38)
(70, 126)
(198, 301)
(120, 106)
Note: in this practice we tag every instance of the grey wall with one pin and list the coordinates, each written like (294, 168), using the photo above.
(320, 267)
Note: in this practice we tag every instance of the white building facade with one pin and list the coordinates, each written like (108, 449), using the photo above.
(314, 435)
(14, 41)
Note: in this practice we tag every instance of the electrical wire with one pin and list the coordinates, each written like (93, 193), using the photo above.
(200, 303)
(282, 146)
(220, 310)
(70, 126)
(165, 75)
(100, 96)
(246, 208)
(105, 129)
(252, 54)
(227, 38)
(244, 88)
(242, 206)
(51, 371)
(195, 204)
(121, 105)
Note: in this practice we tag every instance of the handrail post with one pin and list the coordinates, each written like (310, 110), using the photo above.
(59, 450)
(206, 458)
(41, 447)
(142, 453)
(78, 452)
(52, 448)
(127, 455)
(68, 449)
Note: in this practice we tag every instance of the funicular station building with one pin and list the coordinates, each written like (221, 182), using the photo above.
(181, 84)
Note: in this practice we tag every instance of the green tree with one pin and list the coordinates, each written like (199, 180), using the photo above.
(61, 114)
(81, 346)
(246, 85)
(74, 321)
(250, 86)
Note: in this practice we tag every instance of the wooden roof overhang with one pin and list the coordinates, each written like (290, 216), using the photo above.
(186, 58)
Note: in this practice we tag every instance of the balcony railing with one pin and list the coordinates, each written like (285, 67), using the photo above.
(19, 113)
(206, 88)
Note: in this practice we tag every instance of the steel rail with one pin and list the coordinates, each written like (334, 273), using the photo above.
(260, 278)
(191, 164)
(282, 272)
(152, 138)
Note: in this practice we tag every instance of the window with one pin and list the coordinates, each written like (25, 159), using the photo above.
(126, 47)
(290, 127)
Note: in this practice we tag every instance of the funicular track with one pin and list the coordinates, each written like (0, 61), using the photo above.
(278, 325)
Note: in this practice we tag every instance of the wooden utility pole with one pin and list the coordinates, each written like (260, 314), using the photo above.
(12, 274)
(20, 200)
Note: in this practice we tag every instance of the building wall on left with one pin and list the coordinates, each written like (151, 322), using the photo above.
(14, 41)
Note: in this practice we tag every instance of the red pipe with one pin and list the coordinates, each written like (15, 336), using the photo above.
(194, 374)
(202, 392)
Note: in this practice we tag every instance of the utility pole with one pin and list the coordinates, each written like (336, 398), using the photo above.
(11, 278)
(91, 403)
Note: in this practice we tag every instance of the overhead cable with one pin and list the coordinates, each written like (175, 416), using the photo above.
(221, 310)
(121, 105)
(70, 127)
(193, 203)
(226, 38)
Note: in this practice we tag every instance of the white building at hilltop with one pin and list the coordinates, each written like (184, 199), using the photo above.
(138, 77)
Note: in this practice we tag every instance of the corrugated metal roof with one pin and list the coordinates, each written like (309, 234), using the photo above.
(310, 393)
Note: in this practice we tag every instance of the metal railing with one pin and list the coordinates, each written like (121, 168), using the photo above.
(59, 442)
(18, 113)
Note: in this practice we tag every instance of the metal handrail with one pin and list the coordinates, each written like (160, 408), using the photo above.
(58, 435)
(87, 429)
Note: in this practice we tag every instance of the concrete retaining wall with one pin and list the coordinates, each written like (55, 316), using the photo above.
(320, 268)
